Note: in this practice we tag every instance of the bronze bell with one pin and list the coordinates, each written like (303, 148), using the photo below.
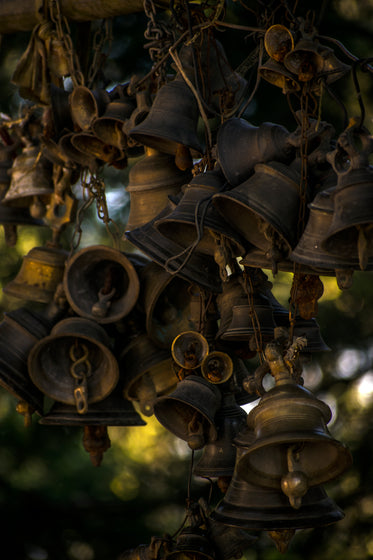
(109, 127)
(278, 41)
(74, 364)
(31, 184)
(94, 148)
(333, 69)
(172, 120)
(254, 318)
(147, 372)
(20, 330)
(195, 221)
(101, 283)
(41, 272)
(217, 367)
(219, 456)
(191, 542)
(310, 329)
(87, 105)
(305, 60)
(165, 299)
(277, 75)
(189, 349)
(292, 449)
(75, 156)
(264, 209)
(151, 181)
(241, 145)
(189, 411)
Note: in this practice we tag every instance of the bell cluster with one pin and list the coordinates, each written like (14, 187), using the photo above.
(171, 326)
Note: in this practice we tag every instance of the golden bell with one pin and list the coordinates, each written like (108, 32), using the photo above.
(189, 349)
(189, 411)
(292, 449)
(41, 272)
(241, 145)
(151, 180)
(74, 364)
(76, 156)
(109, 127)
(217, 367)
(101, 283)
(147, 372)
(87, 105)
(278, 41)
(277, 75)
(90, 145)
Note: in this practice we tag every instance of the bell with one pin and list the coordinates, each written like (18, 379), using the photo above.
(217, 367)
(219, 456)
(95, 148)
(109, 127)
(147, 372)
(87, 105)
(101, 283)
(277, 75)
(189, 411)
(251, 319)
(165, 299)
(305, 60)
(189, 349)
(241, 145)
(31, 185)
(195, 221)
(76, 156)
(228, 542)
(310, 329)
(333, 69)
(265, 208)
(258, 508)
(74, 364)
(278, 41)
(41, 272)
(292, 449)
(172, 120)
(20, 330)
(193, 543)
(141, 109)
(151, 180)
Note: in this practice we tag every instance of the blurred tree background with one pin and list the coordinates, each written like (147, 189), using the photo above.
(54, 504)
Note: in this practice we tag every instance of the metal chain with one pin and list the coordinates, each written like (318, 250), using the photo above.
(160, 36)
(80, 370)
(103, 37)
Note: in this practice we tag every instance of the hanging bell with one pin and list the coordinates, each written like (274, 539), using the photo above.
(241, 145)
(109, 127)
(333, 69)
(87, 105)
(265, 208)
(172, 120)
(219, 456)
(151, 180)
(195, 221)
(305, 60)
(278, 41)
(253, 319)
(310, 329)
(277, 75)
(101, 283)
(31, 185)
(147, 372)
(292, 449)
(41, 272)
(74, 364)
(189, 411)
(189, 349)
(217, 367)
(91, 146)
(75, 156)
(192, 542)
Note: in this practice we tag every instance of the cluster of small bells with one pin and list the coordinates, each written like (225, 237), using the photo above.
(168, 327)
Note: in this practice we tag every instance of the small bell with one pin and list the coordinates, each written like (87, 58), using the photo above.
(87, 105)
(91, 146)
(278, 41)
(305, 59)
(277, 75)
(217, 367)
(189, 349)
(109, 127)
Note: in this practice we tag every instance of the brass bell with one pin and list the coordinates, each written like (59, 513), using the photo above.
(217, 367)
(165, 299)
(189, 411)
(241, 145)
(150, 181)
(189, 349)
(31, 184)
(333, 69)
(292, 449)
(109, 127)
(310, 329)
(172, 120)
(278, 41)
(251, 319)
(305, 60)
(20, 330)
(76, 156)
(277, 75)
(87, 105)
(147, 372)
(264, 209)
(195, 221)
(90, 145)
(219, 456)
(41, 272)
(74, 364)
(101, 283)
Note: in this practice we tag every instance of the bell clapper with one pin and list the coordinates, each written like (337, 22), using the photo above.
(96, 441)
(294, 484)
(196, 438)
(80, 375)
(146, 395)
(26, 411)
(101, 307)
(282, 538)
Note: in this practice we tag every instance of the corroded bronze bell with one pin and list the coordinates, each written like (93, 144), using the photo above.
(241, 145)
(41, 271)
(74, 364)
(217, 367)
(189, 349)
(264, 209)
(172, 120)
(151, 181)
(278, 41)
(277, 75)
(147, 372)
(189, 411)
(101, 283)
(87, 105)
(31, 184)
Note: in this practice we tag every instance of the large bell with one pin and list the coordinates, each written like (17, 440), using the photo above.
(195, 221)
(87, 105)
(172, 120)
(74, 364)
(189, 411)
(241, 145)
(147, 372)
(265, 208)
(292, 449)
(101, 283)
(151, 180)
(218, 457)
(41, 272)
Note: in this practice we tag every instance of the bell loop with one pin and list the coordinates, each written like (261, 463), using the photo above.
(81, 389)
(101, 307)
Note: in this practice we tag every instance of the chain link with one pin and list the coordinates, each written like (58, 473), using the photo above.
(80, 370)
(102, 38)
